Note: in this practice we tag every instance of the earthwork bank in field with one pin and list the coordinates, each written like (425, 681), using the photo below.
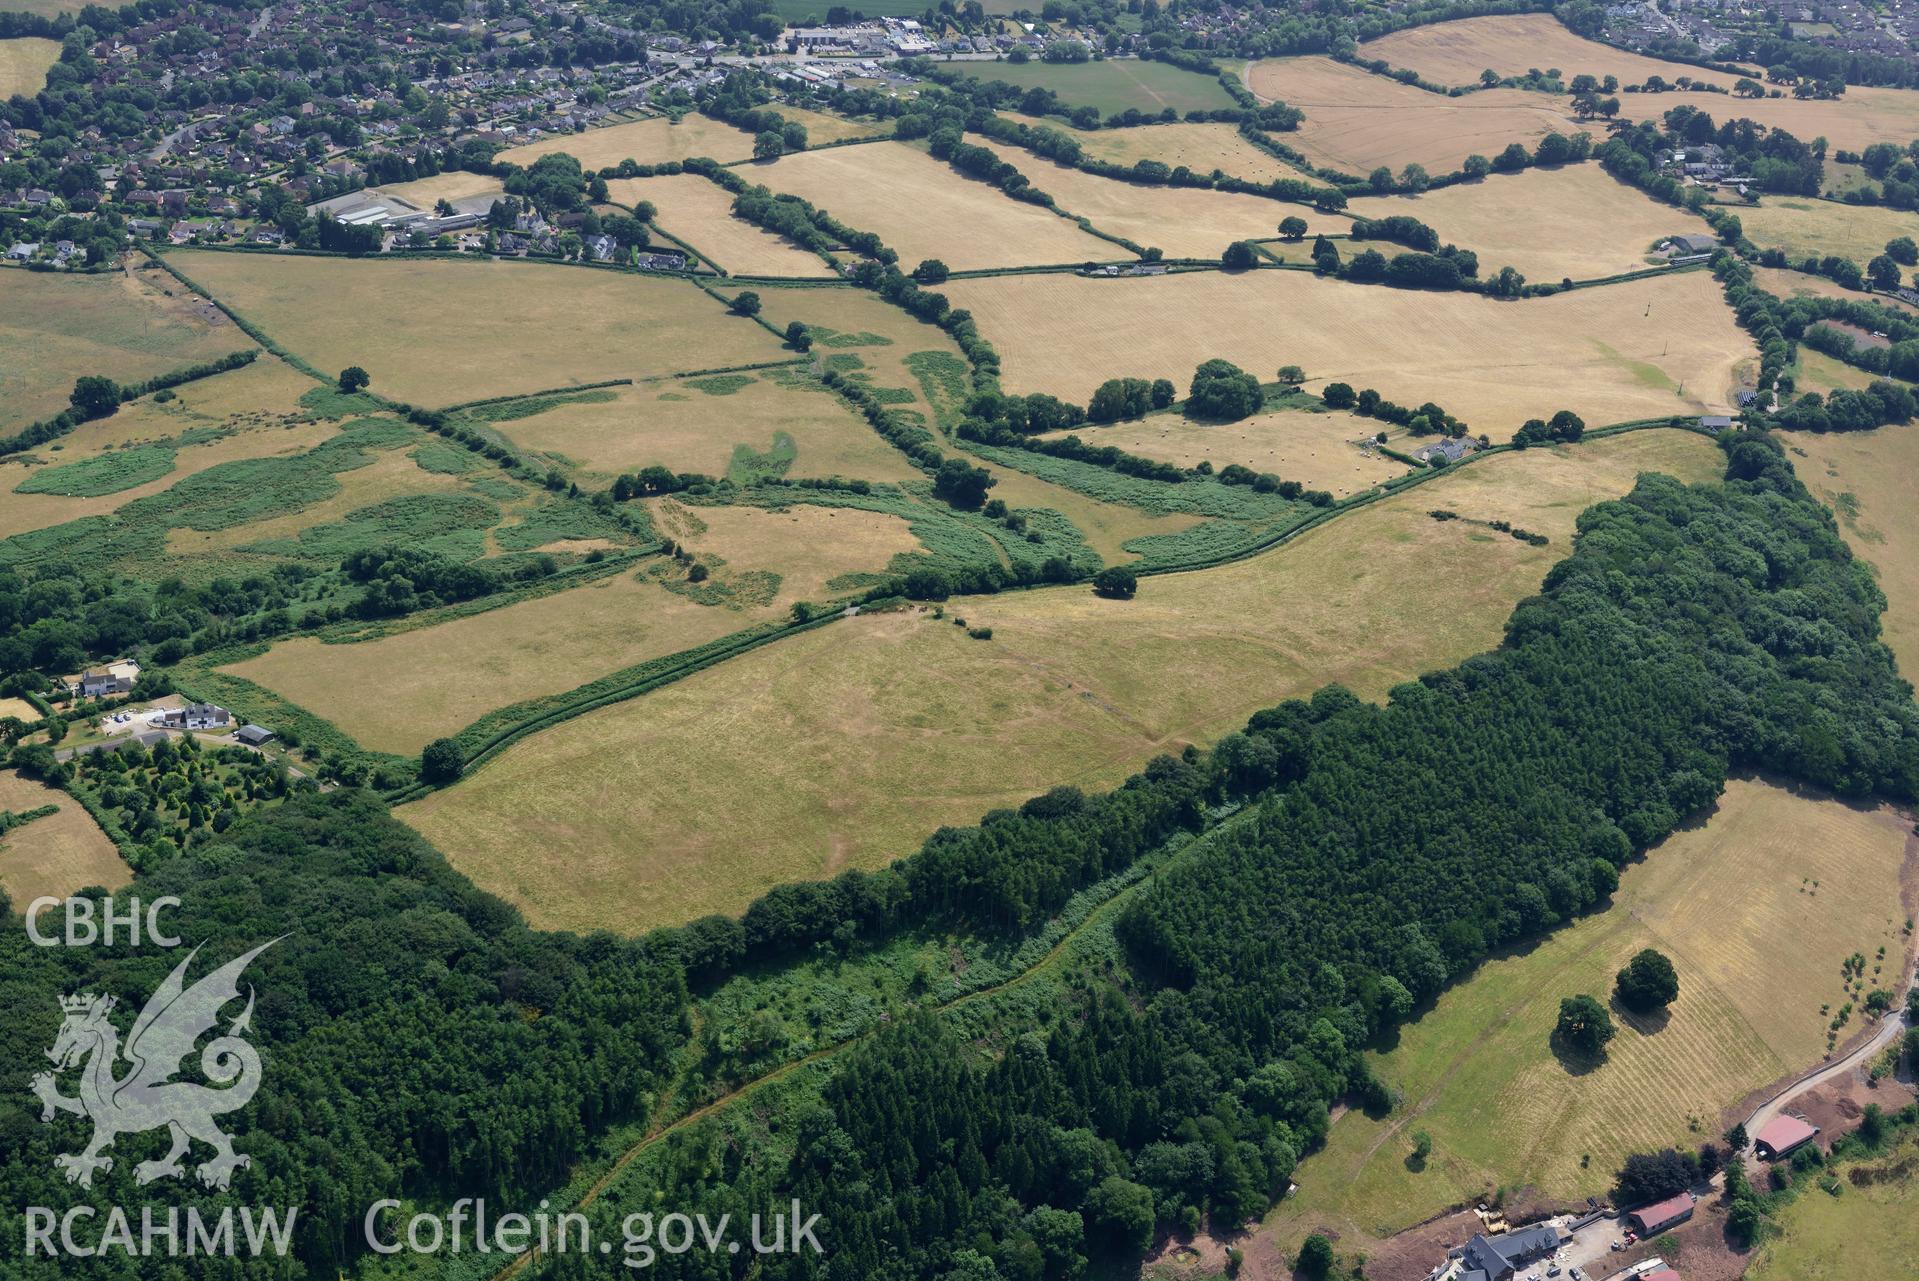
(848, 745)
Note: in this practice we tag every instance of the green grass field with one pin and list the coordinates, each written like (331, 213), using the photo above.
(1110, 86)
(1871, 1229)
(1818, 879)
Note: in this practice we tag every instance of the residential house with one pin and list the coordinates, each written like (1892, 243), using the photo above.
(1447, 451)
(105, 682)
(23, 250)
(1499, 1258)
(195, 716)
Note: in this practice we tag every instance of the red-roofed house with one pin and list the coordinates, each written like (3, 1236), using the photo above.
(1782, 1136)
(1664, 1274)
(1651, 1220)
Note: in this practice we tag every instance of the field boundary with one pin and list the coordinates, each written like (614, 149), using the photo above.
(565, 707)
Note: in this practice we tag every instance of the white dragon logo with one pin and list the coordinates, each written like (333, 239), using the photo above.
(146, 1098)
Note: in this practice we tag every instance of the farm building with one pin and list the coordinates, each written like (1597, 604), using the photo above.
(1714, 422)
(1499, 1258)
(1653, 1219)
(195, 716)
(1782, 1136)
(253, 735)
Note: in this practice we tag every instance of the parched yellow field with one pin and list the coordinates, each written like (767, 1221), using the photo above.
(673, 423)
(257, 404)
(19, 709)
(56, 855)
(1854, 121)
(400, 692)
(701, 213)
(1665, 345)
(1317, 450)
(1454, 53)
(923, 209)
(436, 332)
(657, 141)
(1574, 222)
(1203, 148)
(23, 65)
(56, 328)
(848, 745)
(1815, 228)
(452, 186)
(1865, 478)
(808, 547)
(1356, 121)
(1786, 283)
(1817, 878)
(1183, 222)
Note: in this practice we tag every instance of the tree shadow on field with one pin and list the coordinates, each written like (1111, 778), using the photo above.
(1650, 1023)
(1576, 1061)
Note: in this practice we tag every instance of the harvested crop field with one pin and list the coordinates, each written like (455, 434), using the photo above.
(697, 425)
(1356, 121)
(1612, 353)
(56, 855)
(56, 328)
(1818, 880)
(398, 693)
(659, 140)
(1573, 222)
(1814, 228)
(701, 213)
(1454, 53)
(23, 65)
(1314, 449)
(1202, 148)
(1183, 222)
(1866, 478)
(848, 745)
(445, 332)
(923, 209)
(1112, 85)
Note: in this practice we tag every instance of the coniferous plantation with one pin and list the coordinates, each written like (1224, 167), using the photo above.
(425, 1044)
